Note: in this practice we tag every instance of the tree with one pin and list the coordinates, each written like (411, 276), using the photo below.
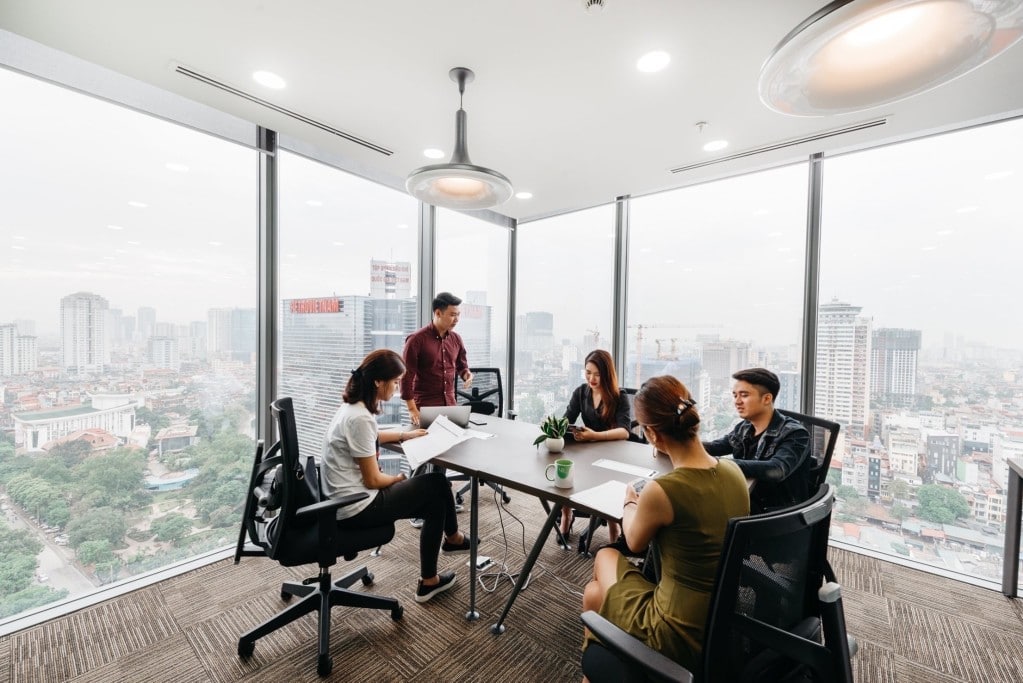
(899, 489)
(95, 552)
(835, 477)
(172, 527)
(847, 492)
(941, 504)
(96, 524)
(70, 453)
(899, 511)
(156, 421)
(18, 552)
(113, 479)
(531, 409)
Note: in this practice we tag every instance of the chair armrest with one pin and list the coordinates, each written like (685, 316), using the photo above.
(635, 652)
(331, 503)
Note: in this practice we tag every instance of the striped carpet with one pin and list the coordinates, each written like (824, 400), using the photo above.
(911, 626)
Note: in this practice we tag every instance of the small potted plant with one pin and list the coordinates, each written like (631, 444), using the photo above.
(552, 430)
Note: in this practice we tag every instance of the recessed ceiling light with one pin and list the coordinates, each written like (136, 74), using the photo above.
(523, 195)
(134, 243)
(998, 175)
(928, 248)
(653, 62)
(403, 226)
(215, 244)
(966, 209)
(313, 202)
(715, 145)
(268, 79)
(946, 231)
(433, 153)
(174, 166)
(138, 205)
(115, 227)
(338, 244)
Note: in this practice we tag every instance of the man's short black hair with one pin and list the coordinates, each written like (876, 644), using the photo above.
(445, 299)
(762, 378)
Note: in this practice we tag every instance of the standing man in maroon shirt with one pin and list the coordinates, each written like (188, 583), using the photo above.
(434, 356)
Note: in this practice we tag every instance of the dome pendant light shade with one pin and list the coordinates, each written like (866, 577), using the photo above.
(459, 184)
(857, 54)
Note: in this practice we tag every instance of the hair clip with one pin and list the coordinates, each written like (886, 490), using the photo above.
(357, 372)
(685, 405)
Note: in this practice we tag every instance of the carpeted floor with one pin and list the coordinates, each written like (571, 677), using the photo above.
(911, 626)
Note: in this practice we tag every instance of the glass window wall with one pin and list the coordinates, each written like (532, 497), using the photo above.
(918, 350)
(127, 342)
(716, 285)
(564, 302)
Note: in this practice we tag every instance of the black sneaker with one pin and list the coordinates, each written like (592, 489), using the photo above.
(462, 547)
(416, 522)
(424, 593)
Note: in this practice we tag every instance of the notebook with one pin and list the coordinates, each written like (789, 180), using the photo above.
(457, 414)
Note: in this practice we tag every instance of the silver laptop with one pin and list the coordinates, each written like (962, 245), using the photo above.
(457, 414)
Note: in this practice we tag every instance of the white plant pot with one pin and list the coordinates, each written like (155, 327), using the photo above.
(555, 445)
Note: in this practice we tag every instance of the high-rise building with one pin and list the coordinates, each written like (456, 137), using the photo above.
(534, 331)
(231, 333)
(474, 326)
(83, 338)
(8, 350)
(163, 353)
(788, 397)
(146, 323)
(893, 364)
(28, 354)
(390, 279)
(842, 386)
(322, 341)
(722, 359)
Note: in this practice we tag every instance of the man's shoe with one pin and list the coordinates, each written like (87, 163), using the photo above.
(462, 547)
(416, 522)
(424, 593)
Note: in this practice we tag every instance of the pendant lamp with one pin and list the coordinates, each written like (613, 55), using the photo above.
(857, 54)
(459, 184)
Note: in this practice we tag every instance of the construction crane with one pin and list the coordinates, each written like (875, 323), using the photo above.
(596, 336)
(673, 326)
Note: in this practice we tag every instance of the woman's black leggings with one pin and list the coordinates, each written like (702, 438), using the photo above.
(426, 496)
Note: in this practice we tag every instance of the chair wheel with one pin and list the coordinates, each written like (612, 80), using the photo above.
(397, 613)
(506, 498)
(324, 665)
(286, 596)
(458, 499)
(246, 648)
(367, 579)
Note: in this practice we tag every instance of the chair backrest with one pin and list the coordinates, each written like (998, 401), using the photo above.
(636, 433)
(823, 435)
(772, 567)
(486, 393)
(292, 541)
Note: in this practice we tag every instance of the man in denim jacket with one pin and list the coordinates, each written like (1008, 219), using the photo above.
(770, 448)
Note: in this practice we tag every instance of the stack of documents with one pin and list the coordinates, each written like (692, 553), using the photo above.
(442, 435)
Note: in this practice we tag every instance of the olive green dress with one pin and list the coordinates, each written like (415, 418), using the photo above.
(670, 616)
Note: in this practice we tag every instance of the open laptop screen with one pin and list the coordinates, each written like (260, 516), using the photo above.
(457, 414)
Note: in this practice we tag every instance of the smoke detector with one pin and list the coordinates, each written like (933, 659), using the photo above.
(594, 6)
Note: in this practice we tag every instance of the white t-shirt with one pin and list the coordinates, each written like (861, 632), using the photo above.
(352, 434)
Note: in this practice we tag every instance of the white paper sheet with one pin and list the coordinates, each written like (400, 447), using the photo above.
(442, 435)
(634, 470)
(607, 498)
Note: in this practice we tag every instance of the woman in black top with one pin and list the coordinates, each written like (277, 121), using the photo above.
(605, 412)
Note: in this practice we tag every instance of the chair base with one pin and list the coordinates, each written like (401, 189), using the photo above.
(320, 595)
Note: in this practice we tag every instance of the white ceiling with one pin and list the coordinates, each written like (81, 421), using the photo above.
(557, 105)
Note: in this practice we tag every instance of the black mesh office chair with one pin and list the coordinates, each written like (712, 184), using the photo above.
(774, 614)
(823, 435)
(485, 396)
(288, 520)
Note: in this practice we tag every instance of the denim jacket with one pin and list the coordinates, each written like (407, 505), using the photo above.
(779, 461)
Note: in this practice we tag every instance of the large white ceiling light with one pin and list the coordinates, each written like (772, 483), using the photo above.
(857, 54)
(459, 184)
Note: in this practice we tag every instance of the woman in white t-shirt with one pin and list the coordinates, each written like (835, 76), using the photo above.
(350, 465)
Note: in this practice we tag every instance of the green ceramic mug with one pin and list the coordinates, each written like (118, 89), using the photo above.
(562, 471)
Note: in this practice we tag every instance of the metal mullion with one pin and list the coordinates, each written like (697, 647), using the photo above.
(619, 317)
(811, 283)
(266, 370)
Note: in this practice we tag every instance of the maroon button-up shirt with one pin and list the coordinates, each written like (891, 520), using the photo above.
(431, 364)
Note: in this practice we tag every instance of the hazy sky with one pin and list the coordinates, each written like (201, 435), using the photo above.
(97, 198)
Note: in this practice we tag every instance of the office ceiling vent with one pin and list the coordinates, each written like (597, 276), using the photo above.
(327, 128)
(594, 6)
(821, 135)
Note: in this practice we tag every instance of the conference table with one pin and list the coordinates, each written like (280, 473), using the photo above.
(509, 458)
